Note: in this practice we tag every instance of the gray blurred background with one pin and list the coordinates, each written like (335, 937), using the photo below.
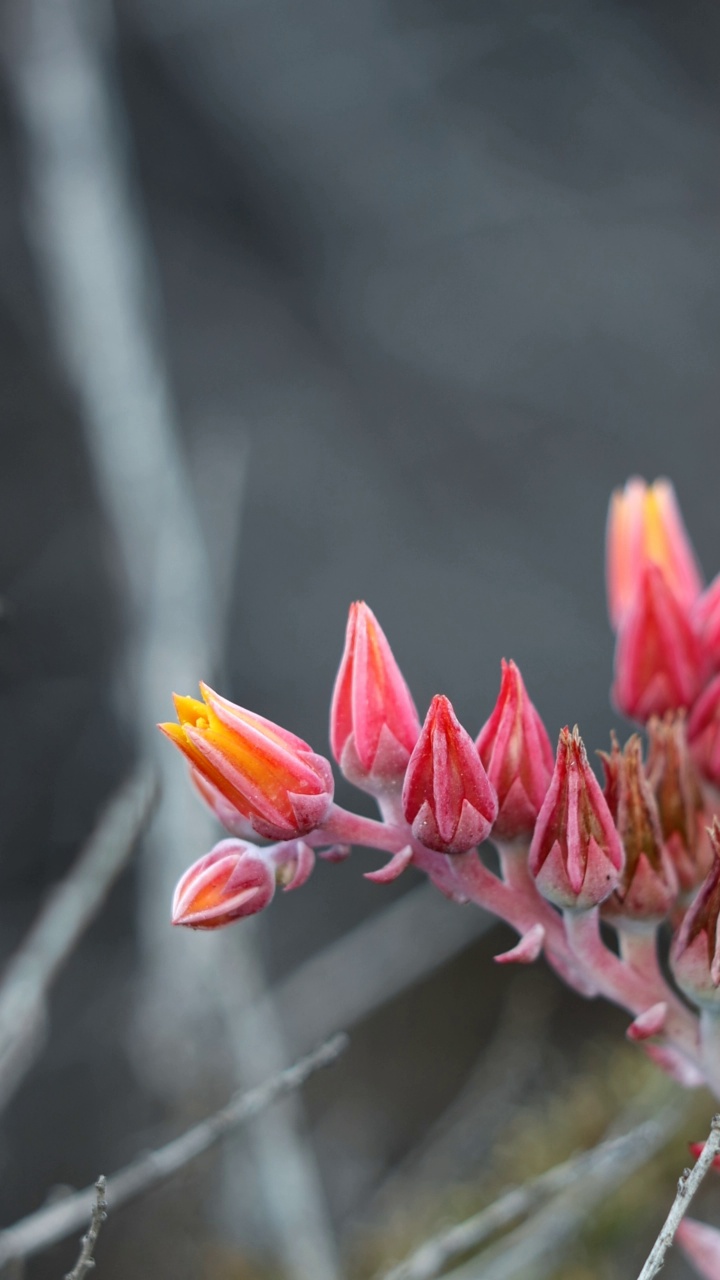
(427, 279)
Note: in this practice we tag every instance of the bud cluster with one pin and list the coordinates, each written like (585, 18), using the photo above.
(635, 851)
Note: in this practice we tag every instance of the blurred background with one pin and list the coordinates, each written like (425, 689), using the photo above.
(302, 303)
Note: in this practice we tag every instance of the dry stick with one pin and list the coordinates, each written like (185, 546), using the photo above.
(532, 1250)
(86, 1260)
(687, 1186)
(48, 1225)
(55, 933)
(435, 1254)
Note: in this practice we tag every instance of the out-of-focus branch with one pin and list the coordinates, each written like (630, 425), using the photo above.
(54, 935)
(687, 1186)
(97, 269)
(58, 1220)
(86, 1260)
(440, 1251)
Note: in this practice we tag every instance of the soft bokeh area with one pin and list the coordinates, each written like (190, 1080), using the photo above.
(304, 302)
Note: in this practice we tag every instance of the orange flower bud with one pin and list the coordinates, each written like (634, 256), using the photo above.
(230, 882)
(268, 775)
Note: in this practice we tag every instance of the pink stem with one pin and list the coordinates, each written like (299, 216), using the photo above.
(393, 837)
(351, 828)
(638, 949)
(517, 901)
(627, 986)
(463, 877)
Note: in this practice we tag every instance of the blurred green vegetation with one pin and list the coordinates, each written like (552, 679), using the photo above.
(610, 1080)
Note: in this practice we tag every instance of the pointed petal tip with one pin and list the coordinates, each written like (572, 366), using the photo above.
(527, 950)
(392, 869)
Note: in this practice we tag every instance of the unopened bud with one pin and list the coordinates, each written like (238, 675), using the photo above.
(516, 752)
(648, 886)
(704, 732)
(575, 856)
(230, 882)
(373, 721)
(695, 951)
(675, 784)
(446, 796)
(660, 663)
(644, 527)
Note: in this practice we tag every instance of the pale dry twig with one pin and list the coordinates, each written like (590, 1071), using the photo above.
(97, 268)
(56, 1221)
(687, 1186)
(61, 922)
(86, 1260)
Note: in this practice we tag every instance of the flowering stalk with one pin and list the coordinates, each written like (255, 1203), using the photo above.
(567, 850)
(621, 983)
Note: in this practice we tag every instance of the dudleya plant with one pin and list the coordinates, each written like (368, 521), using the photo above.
(635, 852)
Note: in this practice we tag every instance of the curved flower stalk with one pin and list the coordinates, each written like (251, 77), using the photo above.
(568, 851)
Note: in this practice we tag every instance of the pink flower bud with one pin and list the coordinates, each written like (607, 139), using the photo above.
(695, 951)
(446, 796)
(701, 1245)
(676, 786)
(704, 732)
(660, 663)
(233, 880)
(268, 775)
(516, 752)
(373, 721)
(293, 862)
(645, 527)
(575, 856)
(707, 618)
(696, 1149)
(648, 885)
